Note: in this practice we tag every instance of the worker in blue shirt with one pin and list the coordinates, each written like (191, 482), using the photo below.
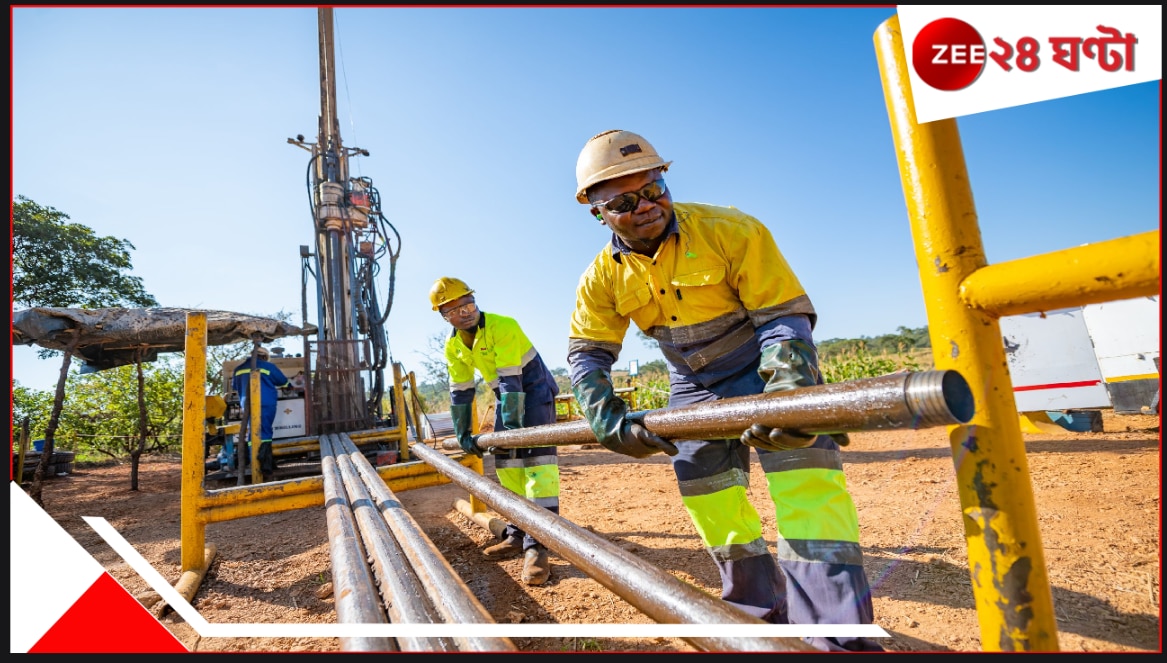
(271, 380)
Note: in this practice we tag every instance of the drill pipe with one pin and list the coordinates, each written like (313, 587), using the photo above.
(452, 599)
(654, 592)
(352, 582)
(901, 400)
(402, 594)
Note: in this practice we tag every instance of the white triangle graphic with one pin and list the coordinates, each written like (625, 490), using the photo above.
(49, 570)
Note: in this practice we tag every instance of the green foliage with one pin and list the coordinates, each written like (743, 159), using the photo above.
(652, 392)
(903, 341)
(646, 339)
(433, 390)
(855, 363)
(34, 404)
(56, 263)
(582, 644)
(101, 413)
(562, 379)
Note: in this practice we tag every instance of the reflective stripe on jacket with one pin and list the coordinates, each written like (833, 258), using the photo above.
(271, 379)
(504, 356)
(715, 285)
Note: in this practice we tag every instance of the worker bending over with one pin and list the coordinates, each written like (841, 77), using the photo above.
(731, 318)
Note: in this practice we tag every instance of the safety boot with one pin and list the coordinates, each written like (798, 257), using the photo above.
(509, 547)
(536, 566)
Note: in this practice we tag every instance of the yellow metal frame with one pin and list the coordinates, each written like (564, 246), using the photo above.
(200, 507)
(964, 298)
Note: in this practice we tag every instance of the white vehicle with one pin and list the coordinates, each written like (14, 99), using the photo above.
(1096, 356)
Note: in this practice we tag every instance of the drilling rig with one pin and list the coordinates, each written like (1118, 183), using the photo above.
(344, 388)
(352, 238)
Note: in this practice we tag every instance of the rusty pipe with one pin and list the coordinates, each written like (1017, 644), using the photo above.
(917, 400)
(448, 594)
(654, 592)
(402, 593)
(352, 582)
(495, 526)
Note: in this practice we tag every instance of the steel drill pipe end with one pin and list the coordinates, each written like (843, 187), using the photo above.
(917, 400)
(939, 398)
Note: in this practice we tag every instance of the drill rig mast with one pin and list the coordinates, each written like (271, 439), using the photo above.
(352, 235)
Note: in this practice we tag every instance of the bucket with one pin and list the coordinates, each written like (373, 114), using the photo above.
(39, 445)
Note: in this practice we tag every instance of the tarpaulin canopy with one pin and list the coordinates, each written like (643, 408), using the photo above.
(112, 337)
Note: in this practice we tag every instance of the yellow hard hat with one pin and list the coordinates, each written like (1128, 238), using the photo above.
(447, 289)
(613, 154)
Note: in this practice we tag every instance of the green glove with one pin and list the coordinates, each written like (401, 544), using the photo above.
(784, 366)
(462, 415)
(612, 424)
(513, 407)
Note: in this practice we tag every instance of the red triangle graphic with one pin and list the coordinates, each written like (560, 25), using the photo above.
(107, 620)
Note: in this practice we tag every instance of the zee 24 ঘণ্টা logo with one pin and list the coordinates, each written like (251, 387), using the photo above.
(949, 54)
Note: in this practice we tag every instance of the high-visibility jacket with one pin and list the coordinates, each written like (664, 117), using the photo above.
(505, 358)
(716, 291)
(714, 294)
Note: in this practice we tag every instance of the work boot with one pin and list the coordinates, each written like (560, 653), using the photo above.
(509, 547)
(536, 566)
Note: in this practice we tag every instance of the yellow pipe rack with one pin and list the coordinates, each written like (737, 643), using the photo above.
(964, 298)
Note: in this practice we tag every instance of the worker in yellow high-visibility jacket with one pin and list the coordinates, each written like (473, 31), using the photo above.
(731, 318)
(525, 391)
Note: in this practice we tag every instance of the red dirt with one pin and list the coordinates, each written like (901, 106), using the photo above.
(1097, 495)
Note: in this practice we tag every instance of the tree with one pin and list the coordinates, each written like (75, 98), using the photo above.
(562, 379)
(646, 339)
(434, 390)
(55, 263)
(655, 366)
(60, 264)
(103, 416)
(33, 404)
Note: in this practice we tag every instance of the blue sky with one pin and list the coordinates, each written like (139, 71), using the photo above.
(168, 127)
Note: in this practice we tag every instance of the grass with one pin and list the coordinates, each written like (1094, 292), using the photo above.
(859, 363)
(582, 644)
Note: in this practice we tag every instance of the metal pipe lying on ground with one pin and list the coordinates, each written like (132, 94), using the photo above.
(402, 594)
(651, 590)
(448, 595)
(902, 400)
(495, 526)
(352, 582)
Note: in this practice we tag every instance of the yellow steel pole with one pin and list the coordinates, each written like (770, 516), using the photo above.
(262, 507)
(1006, 562)
(399, 405)
(255, 434)
(416, 407)
(1120, 268)
(476, 464)
(194, 417)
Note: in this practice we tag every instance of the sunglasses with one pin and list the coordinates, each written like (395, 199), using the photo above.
(465, 309)
(626, 202)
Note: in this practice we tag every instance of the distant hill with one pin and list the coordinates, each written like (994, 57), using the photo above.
(904, 341)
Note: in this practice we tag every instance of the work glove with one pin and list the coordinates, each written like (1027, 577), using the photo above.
(461, 415)
(513, 407)
(786, 365)
(614, 427)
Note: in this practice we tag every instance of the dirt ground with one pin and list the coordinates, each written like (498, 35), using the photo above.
(1097, 495)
